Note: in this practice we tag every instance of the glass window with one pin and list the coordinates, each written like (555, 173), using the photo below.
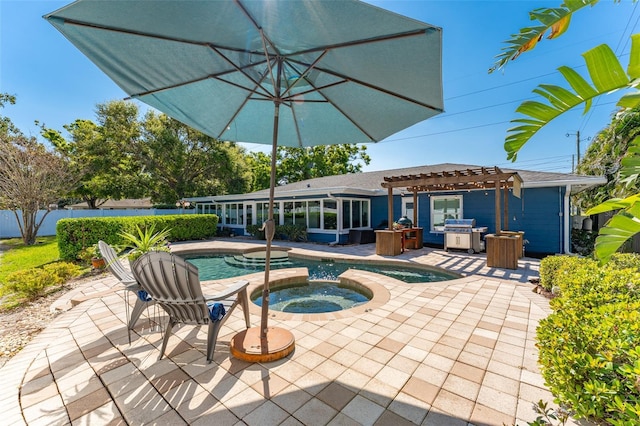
(288, 212)
(364, 221)
(262, 213)
(234, 214)
(249, 214)
(217, 210)
(346, 214)
(355, 214)
(300, 213)
(314, 214)
(445, 207)
(330, 214)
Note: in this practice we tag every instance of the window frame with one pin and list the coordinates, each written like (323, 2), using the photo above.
(433, 199)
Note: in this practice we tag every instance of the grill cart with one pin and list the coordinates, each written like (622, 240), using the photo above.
(463, 234)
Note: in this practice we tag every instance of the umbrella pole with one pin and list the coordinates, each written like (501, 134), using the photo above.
(270, 227)
(266, 344)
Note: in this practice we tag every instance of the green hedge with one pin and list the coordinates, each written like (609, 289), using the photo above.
(76, 234)
(590, 345)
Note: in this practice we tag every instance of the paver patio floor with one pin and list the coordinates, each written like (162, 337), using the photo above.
(449, 353)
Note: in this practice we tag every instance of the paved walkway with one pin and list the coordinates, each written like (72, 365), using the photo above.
(450, 353)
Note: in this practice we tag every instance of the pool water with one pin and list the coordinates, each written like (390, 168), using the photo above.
(214, 267)
(315, 297)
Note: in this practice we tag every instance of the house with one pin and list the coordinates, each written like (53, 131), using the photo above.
(330, 207)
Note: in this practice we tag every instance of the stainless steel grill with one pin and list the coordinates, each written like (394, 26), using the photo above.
(463, 234)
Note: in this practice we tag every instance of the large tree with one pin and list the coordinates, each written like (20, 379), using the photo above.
(32, 179)
(183, 162)
(102, 155)
(297, 164)
(607, 74)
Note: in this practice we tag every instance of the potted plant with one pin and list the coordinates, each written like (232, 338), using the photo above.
(92, 254)
(144, 240)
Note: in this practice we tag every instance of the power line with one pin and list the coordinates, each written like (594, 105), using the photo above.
(443, 132)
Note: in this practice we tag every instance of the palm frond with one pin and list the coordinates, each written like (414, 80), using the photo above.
(606, 74)
(555, 20)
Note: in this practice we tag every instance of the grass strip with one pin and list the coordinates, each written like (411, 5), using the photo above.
(17, 256)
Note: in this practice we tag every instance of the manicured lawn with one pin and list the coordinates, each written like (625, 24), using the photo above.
(20, 256)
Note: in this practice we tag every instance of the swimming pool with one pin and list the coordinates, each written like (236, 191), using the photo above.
(219, 266)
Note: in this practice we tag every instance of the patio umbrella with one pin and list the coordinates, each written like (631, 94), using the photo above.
(281, 72)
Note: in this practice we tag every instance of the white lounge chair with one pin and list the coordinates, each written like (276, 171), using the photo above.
(129, 282)
(175, 286)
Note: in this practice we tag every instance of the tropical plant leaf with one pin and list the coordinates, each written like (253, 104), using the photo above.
(605, 72)
(630, 163)
(634, 60)
(559, 27)
(617, 230)
(556, 20)
(614, 204)
(630, 100)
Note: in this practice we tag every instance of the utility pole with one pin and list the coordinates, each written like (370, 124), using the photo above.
(577, 133)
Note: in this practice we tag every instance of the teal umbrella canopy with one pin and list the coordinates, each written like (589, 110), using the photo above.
(341, 71)
(281, 72)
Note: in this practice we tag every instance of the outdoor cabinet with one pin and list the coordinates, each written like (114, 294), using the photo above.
(504, 249)
(457, 240)
(388, 242)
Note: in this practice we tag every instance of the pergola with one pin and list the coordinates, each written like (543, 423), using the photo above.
(457, 180)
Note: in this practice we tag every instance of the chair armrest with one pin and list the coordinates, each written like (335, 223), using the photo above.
(237, 287)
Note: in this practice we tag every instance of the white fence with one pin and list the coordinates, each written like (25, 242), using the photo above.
(9, 226)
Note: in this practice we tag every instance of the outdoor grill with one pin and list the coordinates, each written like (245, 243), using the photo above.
(462, 234)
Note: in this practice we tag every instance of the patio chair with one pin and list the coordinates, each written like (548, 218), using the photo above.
(175, 286)
(130, 284)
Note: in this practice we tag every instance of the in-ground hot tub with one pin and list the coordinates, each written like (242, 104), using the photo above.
(314, 297)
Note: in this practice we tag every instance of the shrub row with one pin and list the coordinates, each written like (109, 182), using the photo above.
(34, 282)
(79, 233)
(288, 232)
(590, 344)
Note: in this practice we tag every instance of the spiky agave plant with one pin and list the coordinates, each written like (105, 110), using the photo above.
(144, 240)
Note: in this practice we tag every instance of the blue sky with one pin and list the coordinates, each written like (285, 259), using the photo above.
(55, 84)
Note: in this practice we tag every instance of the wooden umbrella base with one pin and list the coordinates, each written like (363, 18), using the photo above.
(248, 346)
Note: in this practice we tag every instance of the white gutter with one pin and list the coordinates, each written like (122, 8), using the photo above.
(567, 220)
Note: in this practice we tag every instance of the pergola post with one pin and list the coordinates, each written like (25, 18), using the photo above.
(415, 207)
(390, 208)
(506, 207)
(497, 206)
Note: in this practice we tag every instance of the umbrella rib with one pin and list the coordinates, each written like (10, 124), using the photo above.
(259, 28)
(378, 39)
(315, 90)
(241, 69)
(68, 21)
(235, 114)
(370, 86)
(295, 121)
(306, 71)
(212, 76)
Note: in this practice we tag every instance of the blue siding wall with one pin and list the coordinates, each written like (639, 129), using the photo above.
(538, 213)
